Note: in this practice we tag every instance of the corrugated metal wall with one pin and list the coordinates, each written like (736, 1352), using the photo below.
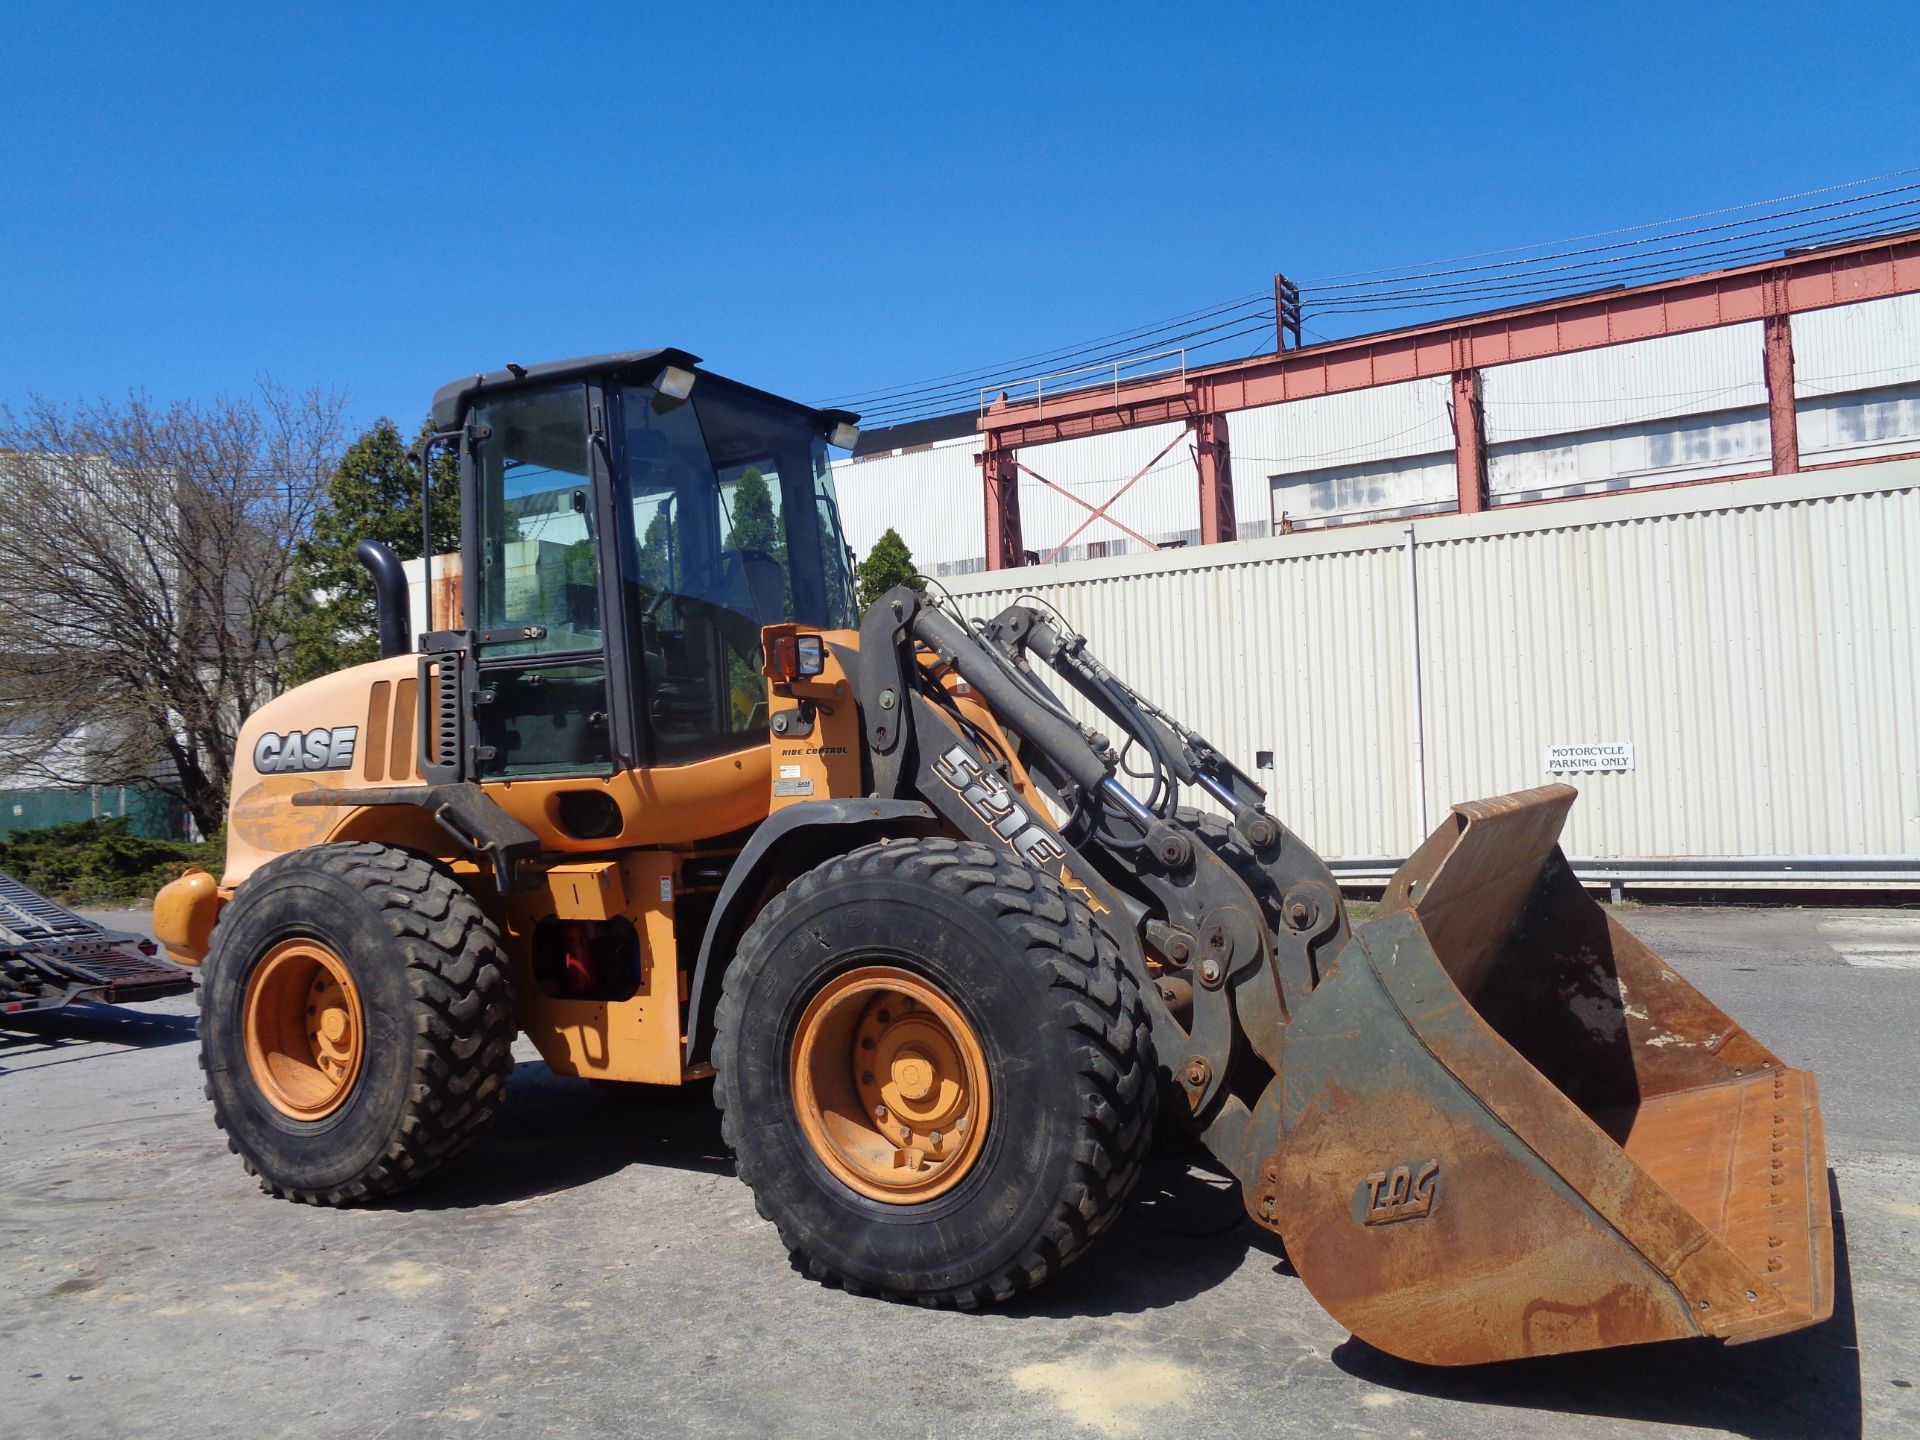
(1162, 502)
(1857, 376)
(1758, 642)
(1383, 450)
(1683, 407)
(1857, 347)
(931, 496)
(1626, 384)
(1257, 644)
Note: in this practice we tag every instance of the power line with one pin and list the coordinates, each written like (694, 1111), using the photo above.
(945, 400)
(1132, 342)
(1519, 287)
(1392, 290)
(1901, 206)
(1059, 352)
(1627, 229)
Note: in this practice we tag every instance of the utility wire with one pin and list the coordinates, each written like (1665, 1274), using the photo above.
(1898, 212)
(1131, 344)
(1519, 288)
(1398, 289)
(1060, 352)
(1627, 229)
(948, 400)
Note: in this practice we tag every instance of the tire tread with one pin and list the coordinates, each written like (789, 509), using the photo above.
(1058, 934)
(462, 1021)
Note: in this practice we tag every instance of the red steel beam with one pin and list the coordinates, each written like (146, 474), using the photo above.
(1469, 443)
(1842, 275)
(1214, 462)
(1783, 420)
(1006, 550)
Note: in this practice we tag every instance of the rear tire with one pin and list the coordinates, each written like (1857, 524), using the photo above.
(412, 1067)
(1025, 1012)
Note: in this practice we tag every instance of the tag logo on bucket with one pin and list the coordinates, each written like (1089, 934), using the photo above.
(1402, 1193)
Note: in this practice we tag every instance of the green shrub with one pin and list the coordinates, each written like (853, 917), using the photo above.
(96, 862)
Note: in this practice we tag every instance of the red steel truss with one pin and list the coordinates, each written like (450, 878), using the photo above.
(1771, 292)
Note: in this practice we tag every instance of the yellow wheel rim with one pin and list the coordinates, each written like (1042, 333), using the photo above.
(305, 1029)
(890, 1085)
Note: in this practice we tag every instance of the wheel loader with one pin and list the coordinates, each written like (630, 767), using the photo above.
(919, 893)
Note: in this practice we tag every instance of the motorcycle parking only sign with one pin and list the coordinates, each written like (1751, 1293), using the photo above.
(1578, 759)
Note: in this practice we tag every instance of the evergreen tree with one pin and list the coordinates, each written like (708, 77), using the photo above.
(755, 525)
(888, 564)
(655, 570)
(374, 494)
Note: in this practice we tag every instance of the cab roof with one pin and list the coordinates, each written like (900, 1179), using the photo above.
(637, 366)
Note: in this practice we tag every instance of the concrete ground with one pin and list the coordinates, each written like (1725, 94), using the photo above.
(594, 1268)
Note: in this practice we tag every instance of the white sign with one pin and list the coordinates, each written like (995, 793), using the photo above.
(1569, 759)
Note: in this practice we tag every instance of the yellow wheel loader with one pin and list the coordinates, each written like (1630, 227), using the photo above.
(657, 798)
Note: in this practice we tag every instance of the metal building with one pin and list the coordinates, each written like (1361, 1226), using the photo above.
(1794, 364)
(1719, 604)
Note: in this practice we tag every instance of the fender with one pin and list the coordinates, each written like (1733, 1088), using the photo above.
(819, 829)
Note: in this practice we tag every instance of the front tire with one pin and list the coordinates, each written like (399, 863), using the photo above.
(356, 1028)
(935, 1072)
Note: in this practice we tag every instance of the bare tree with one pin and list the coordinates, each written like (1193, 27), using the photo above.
(146, 562)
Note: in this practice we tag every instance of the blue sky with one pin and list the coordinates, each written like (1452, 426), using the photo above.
(825, 200)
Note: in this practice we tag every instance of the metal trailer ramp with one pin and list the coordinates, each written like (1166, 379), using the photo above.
(51, 957)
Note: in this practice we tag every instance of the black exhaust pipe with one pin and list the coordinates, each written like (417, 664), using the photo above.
(389, 596)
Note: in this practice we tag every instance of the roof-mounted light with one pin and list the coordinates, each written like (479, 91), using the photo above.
(844, 436)
(674, 383)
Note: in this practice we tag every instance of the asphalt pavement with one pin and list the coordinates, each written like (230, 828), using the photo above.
(593, 1268)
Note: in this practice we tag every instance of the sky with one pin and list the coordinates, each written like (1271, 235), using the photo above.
(825, 200)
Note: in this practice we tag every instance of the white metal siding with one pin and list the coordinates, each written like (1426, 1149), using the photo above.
(1252, 647)
(1758, 642)
(1642, 380)
(1859, 426)
(1761, 659)
(1683, 407)
(1657, 452)
(1380, 423)
(1406, 485)
(1363, 452)
(1163, 503)
(1857, 347)
(932, 497)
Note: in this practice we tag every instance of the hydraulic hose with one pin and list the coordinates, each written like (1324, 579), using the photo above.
(1040, 725)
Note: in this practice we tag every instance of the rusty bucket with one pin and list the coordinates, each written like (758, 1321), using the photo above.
(1508, 1128)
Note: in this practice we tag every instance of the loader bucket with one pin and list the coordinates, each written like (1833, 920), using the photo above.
(1507, 1128)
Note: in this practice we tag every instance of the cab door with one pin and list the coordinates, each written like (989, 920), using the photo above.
(537, 588)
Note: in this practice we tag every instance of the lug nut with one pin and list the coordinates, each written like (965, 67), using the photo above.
(879, 1112)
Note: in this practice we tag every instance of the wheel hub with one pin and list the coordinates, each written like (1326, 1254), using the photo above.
(890, 1085)
(304, 1029)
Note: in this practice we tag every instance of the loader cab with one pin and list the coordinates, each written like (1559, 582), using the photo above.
(630, 523)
